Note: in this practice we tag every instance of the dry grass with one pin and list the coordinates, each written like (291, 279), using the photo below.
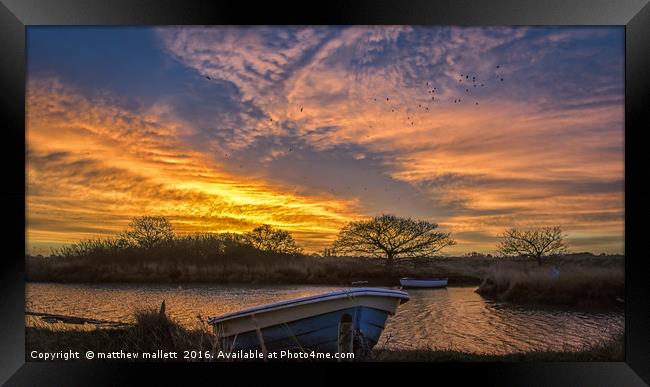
(297, 269)
(151, 331)
(578, 285)
(271, 270)
(613, 350)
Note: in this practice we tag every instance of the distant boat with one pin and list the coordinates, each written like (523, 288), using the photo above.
(423, 282)
(339, 321)
(357, 283)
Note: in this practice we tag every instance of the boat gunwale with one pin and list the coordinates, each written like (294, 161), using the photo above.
(357, 292)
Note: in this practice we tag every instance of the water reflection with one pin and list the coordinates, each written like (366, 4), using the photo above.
(458, 318)
(452, 318)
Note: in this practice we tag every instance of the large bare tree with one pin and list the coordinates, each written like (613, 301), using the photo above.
(271, 239)
(148, 231)
(392, 237)
(536, 243)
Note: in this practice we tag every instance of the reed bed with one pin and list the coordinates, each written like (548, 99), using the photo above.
(231, 267)
(261, 270)
(151, 331)
(566, 284)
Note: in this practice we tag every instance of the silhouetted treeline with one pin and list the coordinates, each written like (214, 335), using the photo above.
(186, 249)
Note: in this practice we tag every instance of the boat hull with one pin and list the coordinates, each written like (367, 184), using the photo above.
(423, 283)
(317, 333)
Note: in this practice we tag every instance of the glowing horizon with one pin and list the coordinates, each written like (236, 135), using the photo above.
(223, 129)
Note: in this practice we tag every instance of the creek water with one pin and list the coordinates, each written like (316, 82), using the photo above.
(451, 318)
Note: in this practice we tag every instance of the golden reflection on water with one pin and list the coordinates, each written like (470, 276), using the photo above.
(452, 318)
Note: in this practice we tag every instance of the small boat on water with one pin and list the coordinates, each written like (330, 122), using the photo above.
(423, 282)
(340, 321)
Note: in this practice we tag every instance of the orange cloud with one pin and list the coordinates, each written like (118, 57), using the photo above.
(92, 166)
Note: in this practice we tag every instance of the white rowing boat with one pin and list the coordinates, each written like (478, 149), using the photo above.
(340, 321)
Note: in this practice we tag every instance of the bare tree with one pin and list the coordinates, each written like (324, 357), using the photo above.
(271, 239)
(392, 237)
(536, 243)
(148, 231)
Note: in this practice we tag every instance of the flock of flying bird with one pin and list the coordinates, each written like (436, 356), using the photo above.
(470, 84)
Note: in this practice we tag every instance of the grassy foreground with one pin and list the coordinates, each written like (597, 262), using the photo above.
(611, 351)
(153, 331)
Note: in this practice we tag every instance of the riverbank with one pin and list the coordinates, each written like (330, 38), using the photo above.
(582, 280)
(153, 332)
(338, 271)
(570, 285)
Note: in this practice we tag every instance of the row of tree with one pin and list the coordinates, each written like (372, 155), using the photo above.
(149, 231)
(393, 237)
(387, 236)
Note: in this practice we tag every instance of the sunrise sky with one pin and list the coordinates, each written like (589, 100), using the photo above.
(308, 128)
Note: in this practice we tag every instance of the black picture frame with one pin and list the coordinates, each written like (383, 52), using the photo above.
(15, 15)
